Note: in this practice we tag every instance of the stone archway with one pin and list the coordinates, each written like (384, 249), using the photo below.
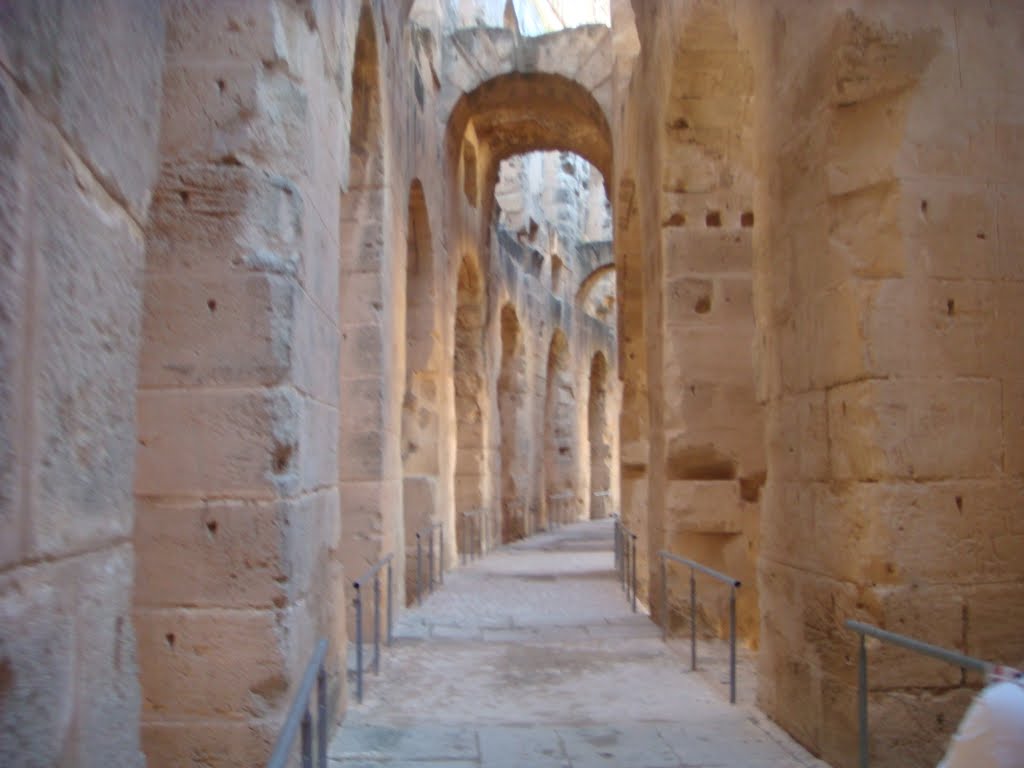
(599, 439)
(371, 518)
(420, 405)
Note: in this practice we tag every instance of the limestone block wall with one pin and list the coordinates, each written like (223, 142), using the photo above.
(888, 305)
(78, 159)
(238, 531)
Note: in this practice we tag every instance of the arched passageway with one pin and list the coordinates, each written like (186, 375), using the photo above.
(363, 367)
(420, 405)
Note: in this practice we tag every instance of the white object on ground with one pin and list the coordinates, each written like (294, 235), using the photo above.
(991, 735)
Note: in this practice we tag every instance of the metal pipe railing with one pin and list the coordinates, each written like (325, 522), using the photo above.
(625, 560)
(910, 644)
(473, 524)
(357, 602)
(734, 584)
(427, 532)
(300, 719)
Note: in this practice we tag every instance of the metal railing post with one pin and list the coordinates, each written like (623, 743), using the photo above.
(307, 740)
(732, 645)
(357, 602)
(693, 620)
(862, 700)
(663, 572)
(633, 566)
(430, 560)
(321, 716)
(299, 721)
(419, 570)
(391, 598)
(376, 624)
(615, 539)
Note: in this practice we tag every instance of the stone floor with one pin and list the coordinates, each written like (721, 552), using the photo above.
(531, 657)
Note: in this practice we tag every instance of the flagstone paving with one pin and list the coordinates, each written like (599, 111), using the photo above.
(532, 657)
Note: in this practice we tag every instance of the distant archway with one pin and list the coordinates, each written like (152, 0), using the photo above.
(420, 405)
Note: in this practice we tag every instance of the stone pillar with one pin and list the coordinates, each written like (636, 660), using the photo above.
(78, 139)
(238, 570)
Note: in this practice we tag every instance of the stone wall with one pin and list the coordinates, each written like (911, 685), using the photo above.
(238, 529)
(78, 159)
(860, 300)
(888, 313)
(696, 456)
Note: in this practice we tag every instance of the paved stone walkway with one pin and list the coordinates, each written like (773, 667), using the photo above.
(530, 657)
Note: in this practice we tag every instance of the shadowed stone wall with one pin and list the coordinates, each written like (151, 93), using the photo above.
(78, 160)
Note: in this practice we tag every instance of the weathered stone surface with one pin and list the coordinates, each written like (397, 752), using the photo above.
(68, 57)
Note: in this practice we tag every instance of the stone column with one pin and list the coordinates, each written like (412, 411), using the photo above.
(238, 522)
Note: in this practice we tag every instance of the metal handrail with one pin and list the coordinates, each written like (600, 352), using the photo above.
(472, 534)
(625, 559)
(428, 531)
(734, 584)
(910, 644)
(300, 718)
(357, 602)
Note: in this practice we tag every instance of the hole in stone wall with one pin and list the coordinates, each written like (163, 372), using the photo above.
(924, 207)
(118, 632)
(747, 219)
(536, 265)
(211, 304)
(469, 172)
(169, 638)
(702, 305)
(750, 487)
(698, 462)
(632, 471)
(211, 527)
(981, 236)
(950, 307)
(220, 86)
(282, 457)
(557, 267)
(960, 503)
(6, 676)
(675, 220)
(713, 219)
(184, 197)
(679, 124)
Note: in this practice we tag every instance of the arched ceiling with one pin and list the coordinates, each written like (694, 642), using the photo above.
(517, 113)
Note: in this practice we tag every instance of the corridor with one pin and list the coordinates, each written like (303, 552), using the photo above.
(531, 657)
